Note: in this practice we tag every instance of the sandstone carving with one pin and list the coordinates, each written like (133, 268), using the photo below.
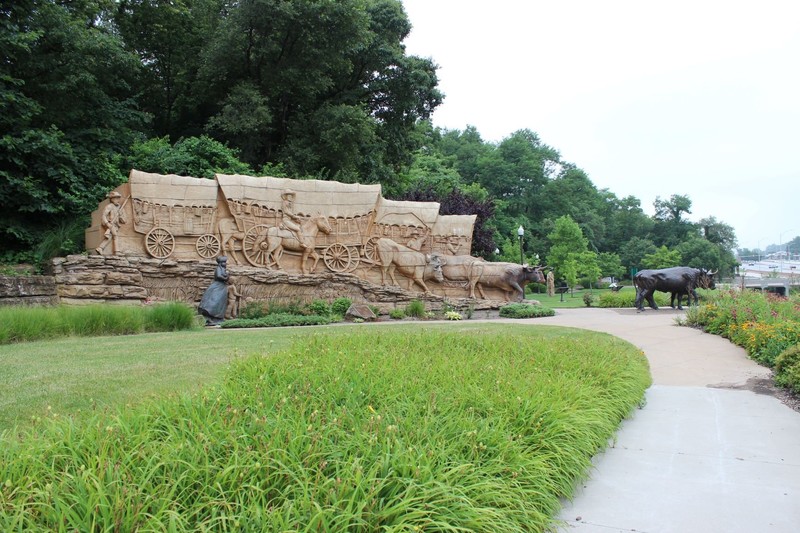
(279, 224)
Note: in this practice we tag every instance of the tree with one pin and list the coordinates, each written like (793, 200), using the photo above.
(633, 252)
(672, 210)
(67, 112)
(718, 233)
(200, 157)
(568, 249)
(610, 265)
(670, 229)
(662, 258)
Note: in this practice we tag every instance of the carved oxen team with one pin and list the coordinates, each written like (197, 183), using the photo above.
(678, 281)
(305, 226)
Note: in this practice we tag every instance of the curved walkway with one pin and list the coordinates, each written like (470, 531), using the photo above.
(707, 453)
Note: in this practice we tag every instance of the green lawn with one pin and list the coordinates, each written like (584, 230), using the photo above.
(70, 375)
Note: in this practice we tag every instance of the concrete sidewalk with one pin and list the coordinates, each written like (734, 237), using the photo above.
(706, 454)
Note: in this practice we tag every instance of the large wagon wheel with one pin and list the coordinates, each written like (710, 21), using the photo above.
(371, 250)
(254, 246)
(339, 257)
(207, 246)
(354, 258)
(159, 243)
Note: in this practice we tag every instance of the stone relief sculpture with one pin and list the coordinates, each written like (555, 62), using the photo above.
(294, 226)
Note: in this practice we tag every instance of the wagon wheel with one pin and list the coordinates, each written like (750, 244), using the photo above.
(254, 246)
(207, 246)
(159, 243)
(371, 250)
(353, 258)
(339, 257)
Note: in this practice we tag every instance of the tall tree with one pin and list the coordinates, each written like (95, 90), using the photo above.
(67, 89)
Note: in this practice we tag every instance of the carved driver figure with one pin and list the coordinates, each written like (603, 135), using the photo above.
(290, 220)
(113, 216)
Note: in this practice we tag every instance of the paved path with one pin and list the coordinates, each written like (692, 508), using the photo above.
(707, 453)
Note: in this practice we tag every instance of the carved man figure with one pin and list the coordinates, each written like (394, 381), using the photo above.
(291, 221)
(113, 216)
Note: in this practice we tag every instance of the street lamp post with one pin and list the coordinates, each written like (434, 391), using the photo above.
(520, 233)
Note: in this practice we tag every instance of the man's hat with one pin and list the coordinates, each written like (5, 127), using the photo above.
(287, 193)
(114, 194)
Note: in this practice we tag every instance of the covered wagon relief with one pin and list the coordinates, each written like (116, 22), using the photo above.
(299, 227)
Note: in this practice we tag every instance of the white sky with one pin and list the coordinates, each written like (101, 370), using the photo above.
(700, 98)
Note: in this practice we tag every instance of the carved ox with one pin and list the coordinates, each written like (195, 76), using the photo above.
(510, 277)
(458, 268)
(408, 262)
(675, 280)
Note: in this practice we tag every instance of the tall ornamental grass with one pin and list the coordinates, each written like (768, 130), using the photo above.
(21, 324)
(376, 431)
(763, 324)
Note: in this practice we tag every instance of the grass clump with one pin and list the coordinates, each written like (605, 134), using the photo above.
(523, 310)
(23, 324)
(397, 314)
(415, 309)
(343, 432)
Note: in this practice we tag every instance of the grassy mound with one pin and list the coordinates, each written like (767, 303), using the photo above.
(457, 429)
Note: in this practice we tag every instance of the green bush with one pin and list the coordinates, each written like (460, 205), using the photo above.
(787, 368)
(277, 320)
(521, 310)
(318, 307)
(627, 298)
(588, 299)
(341, 305)
(397, 314)
(416, 309)
(356, 431)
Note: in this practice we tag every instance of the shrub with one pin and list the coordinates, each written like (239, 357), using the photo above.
(787, 368)
(416, 309)
(452, 315)
(588, 299)
(318, 307)
(627, 298)
(520, 310)
(397, 314)
(341, 305)
(277, 320)
(256, 309)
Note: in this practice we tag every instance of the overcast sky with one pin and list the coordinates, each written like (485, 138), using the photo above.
(700, 98)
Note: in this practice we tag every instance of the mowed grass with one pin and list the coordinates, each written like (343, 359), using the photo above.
(72, 375)
(464, 427)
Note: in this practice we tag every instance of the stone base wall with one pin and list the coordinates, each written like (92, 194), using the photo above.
(80, 279)
(28, 290)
